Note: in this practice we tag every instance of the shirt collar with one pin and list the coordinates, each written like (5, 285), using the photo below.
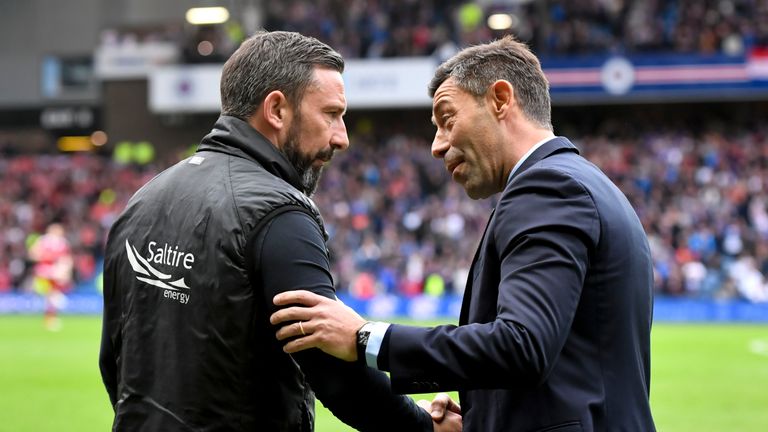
(527, 154)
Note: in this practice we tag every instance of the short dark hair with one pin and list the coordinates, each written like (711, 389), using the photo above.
(474, 69)
(269, 61)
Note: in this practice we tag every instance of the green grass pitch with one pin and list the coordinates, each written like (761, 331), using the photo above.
(706, 378)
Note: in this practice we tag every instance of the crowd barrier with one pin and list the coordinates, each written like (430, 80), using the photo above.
(426, 308)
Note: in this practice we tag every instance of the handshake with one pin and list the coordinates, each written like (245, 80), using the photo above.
(313, 321)
(446, 414)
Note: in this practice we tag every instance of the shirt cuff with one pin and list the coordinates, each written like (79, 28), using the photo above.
(375, 338)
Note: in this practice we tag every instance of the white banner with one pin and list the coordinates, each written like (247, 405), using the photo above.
(386, 83)
(185, 89)
(389, 83)
(132, 61)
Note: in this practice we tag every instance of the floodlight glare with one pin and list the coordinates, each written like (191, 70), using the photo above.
(499, 21)
(207, 15)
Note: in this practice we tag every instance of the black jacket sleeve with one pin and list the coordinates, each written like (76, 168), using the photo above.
(291, 255)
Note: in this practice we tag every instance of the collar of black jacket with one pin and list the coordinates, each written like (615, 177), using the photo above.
(233, 136)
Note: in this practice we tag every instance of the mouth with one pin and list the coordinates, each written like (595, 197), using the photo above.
(323, 159)
(452, 165)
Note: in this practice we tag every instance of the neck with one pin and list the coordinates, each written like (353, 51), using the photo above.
(523, 141)
(271, 134)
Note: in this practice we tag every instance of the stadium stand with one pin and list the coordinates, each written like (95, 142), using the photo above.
(394, 28)
(398, 225)
(407, 28)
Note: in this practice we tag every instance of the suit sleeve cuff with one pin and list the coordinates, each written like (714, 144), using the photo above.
(375, 339)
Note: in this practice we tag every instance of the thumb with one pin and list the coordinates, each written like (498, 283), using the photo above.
(440, 404)
(437, 413)
(437, 409)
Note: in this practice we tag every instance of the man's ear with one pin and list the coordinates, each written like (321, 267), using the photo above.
(276, 110)
(502, 98)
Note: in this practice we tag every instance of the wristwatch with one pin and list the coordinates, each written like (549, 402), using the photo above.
(363, 333)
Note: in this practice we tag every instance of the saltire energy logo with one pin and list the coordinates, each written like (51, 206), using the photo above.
(173, 289)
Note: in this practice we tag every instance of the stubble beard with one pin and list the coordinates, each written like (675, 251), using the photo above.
(309, 175)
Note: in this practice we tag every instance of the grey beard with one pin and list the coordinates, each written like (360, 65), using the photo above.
(309, 179)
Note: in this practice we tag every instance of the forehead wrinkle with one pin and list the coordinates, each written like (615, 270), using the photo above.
(336, 93)
(440, 105)
(327, 92)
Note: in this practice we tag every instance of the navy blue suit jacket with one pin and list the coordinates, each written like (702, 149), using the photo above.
(554, 333)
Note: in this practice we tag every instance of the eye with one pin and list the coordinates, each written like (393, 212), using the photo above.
(448, 121)
(335, 114)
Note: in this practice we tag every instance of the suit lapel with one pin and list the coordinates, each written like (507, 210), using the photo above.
(464, 316)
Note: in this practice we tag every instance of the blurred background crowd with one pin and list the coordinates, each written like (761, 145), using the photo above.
(397, 223)
(389, 28)
(404, 28)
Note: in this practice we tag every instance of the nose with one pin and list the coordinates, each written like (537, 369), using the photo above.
(339, 138)
(439, 145)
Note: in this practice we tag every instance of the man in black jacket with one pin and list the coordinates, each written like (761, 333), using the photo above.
(194, 260)
(554, 331)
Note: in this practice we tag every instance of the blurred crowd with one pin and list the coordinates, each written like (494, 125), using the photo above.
(403, 28)
(55, 211)
(703, 203)
(389, 28)
(398, 225)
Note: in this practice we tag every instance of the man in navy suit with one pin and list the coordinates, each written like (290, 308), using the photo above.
(554, 332)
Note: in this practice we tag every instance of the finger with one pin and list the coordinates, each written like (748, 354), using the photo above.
(437, 414)
(293, 330)
(301, 344)
(443, 401)
(296, 313)
(437, 409)
(440, 402)
(453, 406)
(303, 297)
(424, 404)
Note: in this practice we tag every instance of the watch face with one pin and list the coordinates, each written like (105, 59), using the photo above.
(362, 337)
(362, 342)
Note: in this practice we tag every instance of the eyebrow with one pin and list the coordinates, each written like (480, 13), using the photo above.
(339, 107)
